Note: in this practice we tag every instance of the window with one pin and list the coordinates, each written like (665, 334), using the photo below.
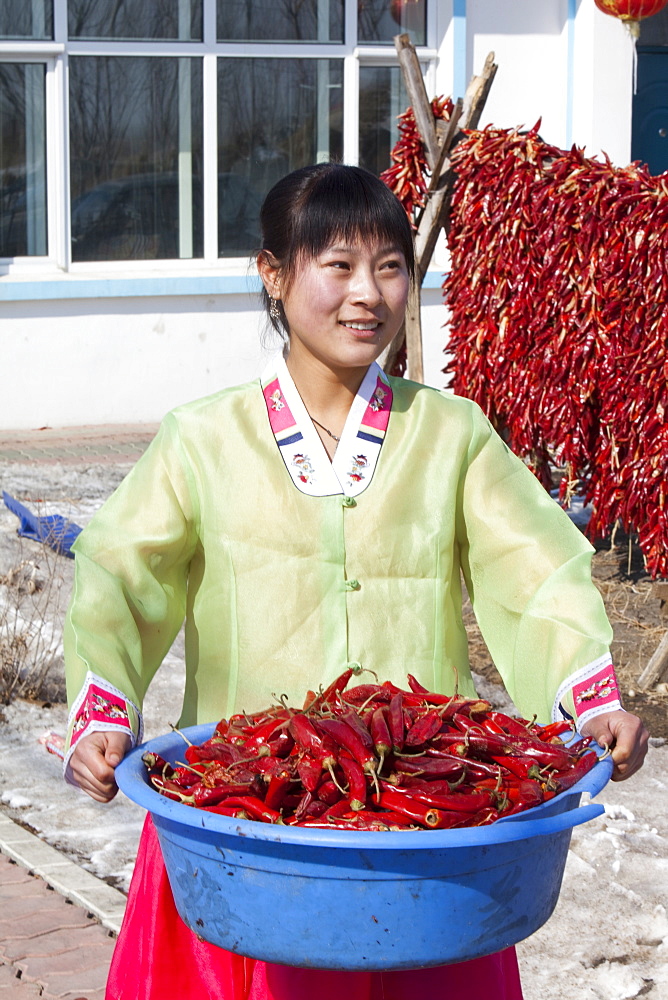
(136, 158)
(287, 21)
(22, 160)
(150, 130)
(23, 19)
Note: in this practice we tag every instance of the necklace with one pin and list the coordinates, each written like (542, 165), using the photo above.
(325, 429)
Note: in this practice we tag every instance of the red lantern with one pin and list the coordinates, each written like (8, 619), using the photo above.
(397, 8)
(631, 12)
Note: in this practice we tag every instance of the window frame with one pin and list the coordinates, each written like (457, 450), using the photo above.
(55, 55)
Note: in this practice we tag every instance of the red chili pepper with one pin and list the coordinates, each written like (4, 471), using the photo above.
(203, 796)
(310, 771)
(415, 685)
(157, 764)
(170, 789)
(357, 725)
(277, 789)
(356, 778)
(431, 767)
(514, 727)
(459, 801)
(395, 721)
(347, 738)
(334, 689)
(255, 808)
(363, 692)
(380, 733)
(567, 779)
(328, 792)
(315, 743)
(521, 767)
(423, 729)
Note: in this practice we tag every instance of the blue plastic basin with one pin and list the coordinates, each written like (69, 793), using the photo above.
(349, 900)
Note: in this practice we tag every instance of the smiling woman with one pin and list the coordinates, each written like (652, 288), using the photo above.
(316, 521)
(336, 281)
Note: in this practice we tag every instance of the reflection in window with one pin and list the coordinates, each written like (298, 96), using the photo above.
(280, 20)
(378, 21)
(136, 158)
(26, 19)
(135, 19)
(274, 115)
(22, 160)
(383, 98)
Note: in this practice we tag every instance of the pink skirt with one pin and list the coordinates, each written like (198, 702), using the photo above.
(157, 957)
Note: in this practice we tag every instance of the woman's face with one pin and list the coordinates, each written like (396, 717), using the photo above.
(345, 306)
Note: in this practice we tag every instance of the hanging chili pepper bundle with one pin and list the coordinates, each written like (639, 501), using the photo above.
(393, 760)
(557, 326)
(407, 177)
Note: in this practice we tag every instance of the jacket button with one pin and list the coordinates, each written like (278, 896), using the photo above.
(349, 502)
(352, 585)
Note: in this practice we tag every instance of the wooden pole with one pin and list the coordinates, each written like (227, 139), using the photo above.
(657, 668)
(437, 142)
(417, 94)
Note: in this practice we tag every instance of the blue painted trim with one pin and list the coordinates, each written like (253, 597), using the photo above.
(48, 289)
(459, 74)
(433, 279)
(12, 290)
(570, 71)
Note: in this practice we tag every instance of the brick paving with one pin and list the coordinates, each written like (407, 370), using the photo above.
(49, 948)
(105, 444)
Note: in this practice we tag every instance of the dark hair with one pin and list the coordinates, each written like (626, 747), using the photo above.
(310, 208)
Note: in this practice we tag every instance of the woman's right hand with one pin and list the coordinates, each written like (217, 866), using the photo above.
(94, 760)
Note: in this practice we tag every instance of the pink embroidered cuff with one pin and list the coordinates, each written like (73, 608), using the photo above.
(100, 707)
(593, 689)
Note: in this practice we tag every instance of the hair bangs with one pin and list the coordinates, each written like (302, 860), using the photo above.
(349, 206)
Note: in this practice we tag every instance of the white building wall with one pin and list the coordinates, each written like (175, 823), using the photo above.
(130, 360)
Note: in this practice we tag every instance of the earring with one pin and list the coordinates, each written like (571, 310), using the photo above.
(274, 311)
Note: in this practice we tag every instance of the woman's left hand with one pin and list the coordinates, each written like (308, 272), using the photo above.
(627, 737)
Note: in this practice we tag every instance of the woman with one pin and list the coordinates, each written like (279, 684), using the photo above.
(318, 518)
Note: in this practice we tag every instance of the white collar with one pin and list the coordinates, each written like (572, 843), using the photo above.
(305, 456)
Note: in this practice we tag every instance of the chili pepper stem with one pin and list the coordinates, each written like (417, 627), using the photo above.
(175, 729)
(333, 777)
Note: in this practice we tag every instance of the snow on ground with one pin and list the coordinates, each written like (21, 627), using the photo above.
(608, 937)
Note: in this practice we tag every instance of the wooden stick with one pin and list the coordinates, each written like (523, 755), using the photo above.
(413, 326)
(417, 93)
(657, 668)
(435, 213)
(477, 93)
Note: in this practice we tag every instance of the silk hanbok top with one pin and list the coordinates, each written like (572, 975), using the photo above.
(287, 568)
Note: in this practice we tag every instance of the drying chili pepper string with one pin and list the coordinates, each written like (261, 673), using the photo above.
(421, 760)
(559, 272)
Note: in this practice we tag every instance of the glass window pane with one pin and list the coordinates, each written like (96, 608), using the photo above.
(280, 20)
(136, 158)
(274, 115)
(378, 21)
(139, 20)
(22, 160)
(383, 98)
(26, 19)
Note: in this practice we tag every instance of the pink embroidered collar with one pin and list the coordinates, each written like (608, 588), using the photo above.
(304, 454)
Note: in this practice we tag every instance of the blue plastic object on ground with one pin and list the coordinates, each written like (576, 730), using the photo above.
(359, 900)
(54, 530)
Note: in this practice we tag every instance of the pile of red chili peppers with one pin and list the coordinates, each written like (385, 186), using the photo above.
(374, 757)
(558, 326)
